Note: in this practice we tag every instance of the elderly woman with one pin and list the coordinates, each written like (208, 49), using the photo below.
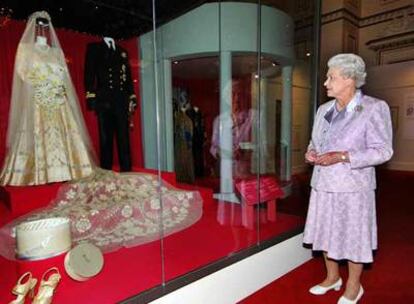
(351, 135)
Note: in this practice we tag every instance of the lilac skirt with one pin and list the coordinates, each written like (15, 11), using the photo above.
(342, 224)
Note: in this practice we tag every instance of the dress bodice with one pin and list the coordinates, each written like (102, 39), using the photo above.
(47, 79)
(44, 73)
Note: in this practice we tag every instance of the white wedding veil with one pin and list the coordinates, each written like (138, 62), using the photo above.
(22, 114)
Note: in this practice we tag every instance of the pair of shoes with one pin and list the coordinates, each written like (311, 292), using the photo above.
(343, 300)
(321, 290)
(46, 289)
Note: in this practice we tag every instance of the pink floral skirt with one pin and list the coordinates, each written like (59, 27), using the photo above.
(343, 224)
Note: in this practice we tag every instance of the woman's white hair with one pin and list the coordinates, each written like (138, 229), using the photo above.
(351, 66)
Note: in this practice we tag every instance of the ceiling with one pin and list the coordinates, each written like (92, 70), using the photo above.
(124, 19)
(120, 18)
(116, 18)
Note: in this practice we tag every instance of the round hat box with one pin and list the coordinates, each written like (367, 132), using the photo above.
(42, 239)
(83, 261)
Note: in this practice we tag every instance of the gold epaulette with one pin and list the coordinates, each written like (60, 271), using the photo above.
(90, 95)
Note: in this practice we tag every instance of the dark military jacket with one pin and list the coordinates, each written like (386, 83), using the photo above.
(108, 75)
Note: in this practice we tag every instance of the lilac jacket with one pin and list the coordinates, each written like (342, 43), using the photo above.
(364, 130)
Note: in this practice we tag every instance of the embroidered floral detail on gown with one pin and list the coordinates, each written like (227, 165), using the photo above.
(113, 210)
(183, 147)
(57, 151)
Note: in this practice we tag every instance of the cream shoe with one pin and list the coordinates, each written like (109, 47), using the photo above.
(48, 284)
(22, 289)
(343, 300)
(320, 290)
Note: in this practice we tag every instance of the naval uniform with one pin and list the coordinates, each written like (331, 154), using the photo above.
(109, 92)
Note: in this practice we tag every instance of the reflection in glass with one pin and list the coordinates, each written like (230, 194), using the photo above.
(221, 123)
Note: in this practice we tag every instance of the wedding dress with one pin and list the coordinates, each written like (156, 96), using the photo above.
(111, 210)
(47, 140)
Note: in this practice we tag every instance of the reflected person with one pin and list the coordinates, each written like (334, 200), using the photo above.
(241, 129)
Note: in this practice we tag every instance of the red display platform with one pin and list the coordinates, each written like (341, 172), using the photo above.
(21, 200)
(130, 271)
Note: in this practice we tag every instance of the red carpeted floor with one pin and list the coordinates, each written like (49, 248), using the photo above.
(389, 280)
(130, 271)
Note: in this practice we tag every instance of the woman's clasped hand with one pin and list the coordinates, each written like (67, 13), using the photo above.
(325, 159)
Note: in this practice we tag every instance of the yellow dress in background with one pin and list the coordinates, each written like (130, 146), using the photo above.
(56, 151)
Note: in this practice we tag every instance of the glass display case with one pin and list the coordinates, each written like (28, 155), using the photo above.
(224, 100)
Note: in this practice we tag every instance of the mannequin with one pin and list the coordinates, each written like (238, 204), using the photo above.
(41, 40)
(183, 138)
(110, 93)
(110, 42)
(198, 139)
(42, 32)
(47, 140)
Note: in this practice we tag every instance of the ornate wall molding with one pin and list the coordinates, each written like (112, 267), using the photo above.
(340, 14)
(394, 41)
(343, 13)
(392, 49)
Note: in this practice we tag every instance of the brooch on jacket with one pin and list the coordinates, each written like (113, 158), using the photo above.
(358, 108)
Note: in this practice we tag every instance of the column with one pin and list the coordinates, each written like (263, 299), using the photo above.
(263, 142)
(225, 125)
(259, 126)
(169, 120)
(286, 127)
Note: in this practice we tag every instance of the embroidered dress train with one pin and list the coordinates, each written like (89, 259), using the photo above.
(113, 210)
